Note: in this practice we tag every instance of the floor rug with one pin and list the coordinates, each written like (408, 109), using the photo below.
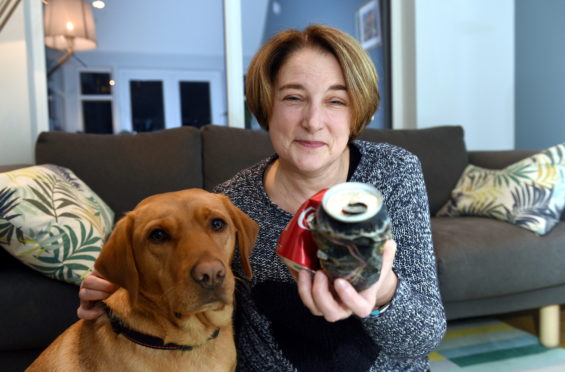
(488, 345)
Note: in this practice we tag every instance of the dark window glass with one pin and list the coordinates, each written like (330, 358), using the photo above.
(196, 109)
(147, 107)
(95, 83)
(97, 116)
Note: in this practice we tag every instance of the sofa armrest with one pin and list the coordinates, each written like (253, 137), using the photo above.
(7, 168)
(500, 159)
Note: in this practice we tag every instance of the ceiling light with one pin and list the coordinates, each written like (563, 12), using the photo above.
(69, 26)
(98, 4)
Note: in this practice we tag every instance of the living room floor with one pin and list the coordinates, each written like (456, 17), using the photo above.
(529, 322)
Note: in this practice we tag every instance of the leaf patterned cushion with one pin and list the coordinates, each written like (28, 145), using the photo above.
(529, 193)
(51, 221)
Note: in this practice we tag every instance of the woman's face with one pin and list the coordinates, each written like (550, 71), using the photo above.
(310, 121)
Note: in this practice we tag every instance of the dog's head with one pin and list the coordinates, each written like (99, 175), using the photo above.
(175, 250)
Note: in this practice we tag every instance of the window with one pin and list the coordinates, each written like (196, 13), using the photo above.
(157, 99)
(196, 108)
(97, 116)
(96, 102)
(147, 105)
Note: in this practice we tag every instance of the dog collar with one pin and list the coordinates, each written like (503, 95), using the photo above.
(147, 340)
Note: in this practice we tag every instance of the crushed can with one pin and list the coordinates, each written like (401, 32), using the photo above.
(296, 246)
(341, 230)
(350, 229)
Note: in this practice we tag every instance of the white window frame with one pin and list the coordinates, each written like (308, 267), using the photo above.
(73, 107)
(171, 94)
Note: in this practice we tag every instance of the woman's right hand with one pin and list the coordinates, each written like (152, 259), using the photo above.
(93, 289)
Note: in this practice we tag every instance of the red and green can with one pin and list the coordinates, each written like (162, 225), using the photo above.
(341, 230)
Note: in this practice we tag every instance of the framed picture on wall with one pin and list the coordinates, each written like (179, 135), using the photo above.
(368, 21)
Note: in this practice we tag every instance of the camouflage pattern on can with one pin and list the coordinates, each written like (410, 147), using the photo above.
(350, 228)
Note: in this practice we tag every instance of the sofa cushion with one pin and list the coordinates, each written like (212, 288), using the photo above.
(482, 258)
(124, 169)
(529, 193)
(7, 168)
(228, 150)
(441, 151)
(52, 222)
(35, 309)
(500, 159)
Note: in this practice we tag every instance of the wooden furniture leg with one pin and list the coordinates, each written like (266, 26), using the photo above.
(549, 325)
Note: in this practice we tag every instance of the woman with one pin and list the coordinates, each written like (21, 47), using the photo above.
(314, 91)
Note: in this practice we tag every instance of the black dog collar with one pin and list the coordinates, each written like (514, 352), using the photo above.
(146, 340)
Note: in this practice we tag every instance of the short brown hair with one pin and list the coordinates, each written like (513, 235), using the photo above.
(361, 78)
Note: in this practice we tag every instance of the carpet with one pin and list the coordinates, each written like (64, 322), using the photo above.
(489, 345)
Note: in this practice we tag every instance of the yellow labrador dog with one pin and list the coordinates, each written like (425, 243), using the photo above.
(171, 256)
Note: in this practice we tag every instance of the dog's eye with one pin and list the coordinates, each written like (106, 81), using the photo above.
(217, 224)
(159, 236)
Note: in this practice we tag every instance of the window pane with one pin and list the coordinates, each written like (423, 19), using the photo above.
(97, 117)
(147, 108)
(95, 83)
(195, 103)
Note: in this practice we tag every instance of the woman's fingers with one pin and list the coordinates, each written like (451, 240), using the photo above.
(359, 303)
(90, 310)
(95, 281)
(88, 294)
(317, 296)
(388, 280)
(389, 252)
(381, 292)
(93, 289)
(338, 300)
(325, 300)
(305, 291)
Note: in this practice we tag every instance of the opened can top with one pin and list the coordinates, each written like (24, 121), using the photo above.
(352, 202)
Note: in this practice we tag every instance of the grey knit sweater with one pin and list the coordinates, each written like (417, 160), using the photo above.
(276, 332)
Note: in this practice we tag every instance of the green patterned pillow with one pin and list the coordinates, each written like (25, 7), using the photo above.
(529, 193)
(52, 222)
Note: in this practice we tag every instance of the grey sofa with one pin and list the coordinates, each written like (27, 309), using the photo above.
(485, 266)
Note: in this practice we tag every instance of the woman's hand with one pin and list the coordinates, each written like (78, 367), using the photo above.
(93, 289)
(316, 291)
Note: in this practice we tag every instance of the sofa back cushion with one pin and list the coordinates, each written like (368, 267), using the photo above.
(441, 151)
(124, 169)
(226, 151)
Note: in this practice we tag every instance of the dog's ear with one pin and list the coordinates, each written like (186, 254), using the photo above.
(116, 262)
(247, 230)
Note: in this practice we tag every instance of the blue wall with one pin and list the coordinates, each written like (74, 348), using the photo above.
(540, 73)
(337, 13)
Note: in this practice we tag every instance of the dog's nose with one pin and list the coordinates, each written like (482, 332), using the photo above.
(209, 274)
